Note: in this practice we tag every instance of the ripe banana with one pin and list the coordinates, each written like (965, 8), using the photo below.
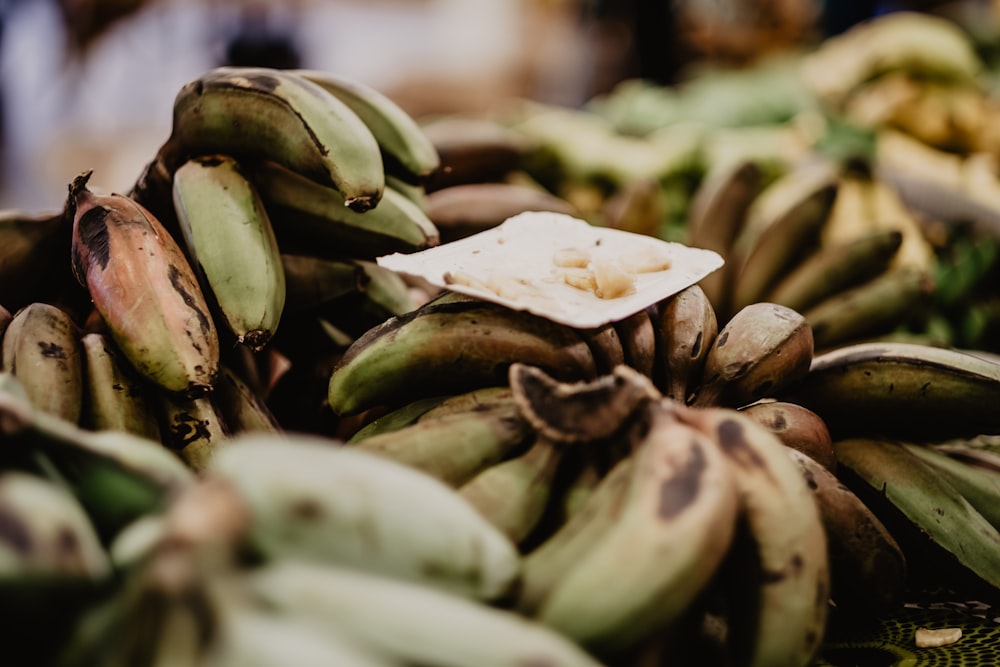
(797, 427)
(310, 218)
(406, 622)
(686, 327)
(41, 348)
(271, 114)
(458, 446)
(231, 245)
(192, 428)
(676, 522)
(867, 565)
(785, 619)
(902, 390)
(144, 289)
(836, 267)
(637, 334)
(763, 349)
(406, 151)
(114, 398)
(311, 499)
(30, 245)
(451, 348)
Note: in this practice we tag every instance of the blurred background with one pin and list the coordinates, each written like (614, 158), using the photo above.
(89, 84)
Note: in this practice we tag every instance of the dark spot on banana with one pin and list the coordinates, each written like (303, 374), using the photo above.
(772, 576)
(742, 370)
(67, 543)
(696, 347)
(779, 423)
(14, 532)
(721, 339)
(736, 447)
(810, 479)
(176, 283)
(209, 160)
(92, 230)
(185, 430)
(680, 490)
(51, 350)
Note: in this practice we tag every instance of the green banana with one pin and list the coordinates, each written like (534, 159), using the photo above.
(408, 623)
(686, 327)
(451, 348)
(761, 350)
(41, 347)
(797, 427)
(271, 114)
(406, 150)
(676, 522)
(638, 338)
(484, 398)
(310, 218)
(192, 428)
(114, 398)
(146, 293)
(309, 498)
(458, 446)
(834, 268)
(394, 420)
(232, 246)
(977, 481)
(313, 281)
(901, 390)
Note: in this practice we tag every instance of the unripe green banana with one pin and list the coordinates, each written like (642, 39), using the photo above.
(394, 420)
(763, 349)
(451, 348)
(115, 398)
(638, 338)
(312, 281)
(786, 590)
(312, 499)
(30, 247)
(903, 390)
(831, 269)
(484, 398)
(232, 246)
(192, 428)
(41, 347)
(867, 565)
(271, 114)
(974, 474)
(387, 291)
(406, 150)
(409, 623)
(676, 522)
(797, 427)
(311, 218)
(686, 327)
(144, 289)
(458, 446)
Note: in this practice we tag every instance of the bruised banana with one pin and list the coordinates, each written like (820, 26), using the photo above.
(458, 446)
(272, 114)
(406, 622)
(763, 349)
(311, 218)
(686, 327)
(232, 246)
(451, 348)
(676, 522)
(41, 348)
(797, 427)
(786, 596)
(406, 150)
(192, 428)
(144, 289)
(309, 498)
(115, 399)
(902, 390)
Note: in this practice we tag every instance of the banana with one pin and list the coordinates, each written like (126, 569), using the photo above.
(514, 494)
(240, 407)
(942, 534)
(5, 318)
(144, 289)
(977, 480)
(484, 398)
(309, 498)
(637, 334)
(867, 565)
(311, 218)
(450, 348)
(462, 210)
(114, 397)
(902, 390)
(406, 622)
(232, 246)
(458, 446)
(869, 309)
(686, 327)
(797, 427)
(785, 621)
(271, 114)
(311, 281)
(473, 149)
(717, 213)
(41, 347)
(833, 268)
(606, 346)
(676, 522)
(763, 349)
(406, 150)
(394, 420)
(192, 428)
(30, 245)
(387, 291)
